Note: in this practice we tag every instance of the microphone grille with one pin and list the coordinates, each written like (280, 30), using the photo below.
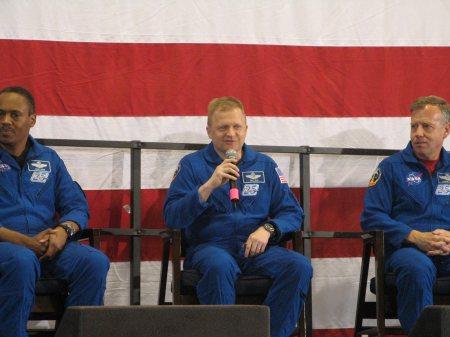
(231, 154)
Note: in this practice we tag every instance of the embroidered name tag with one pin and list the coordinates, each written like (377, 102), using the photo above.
(39, 166)
(253, 177)
(443, 178)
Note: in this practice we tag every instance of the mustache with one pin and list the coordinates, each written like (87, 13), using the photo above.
(6, 128)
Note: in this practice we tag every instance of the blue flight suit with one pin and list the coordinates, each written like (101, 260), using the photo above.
(216, 231)
(29, 199)
(403, 196)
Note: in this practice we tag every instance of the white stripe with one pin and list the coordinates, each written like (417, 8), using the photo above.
(334, 289)
(364, 132)
(283, 22)
(99, 169)
(105, 169)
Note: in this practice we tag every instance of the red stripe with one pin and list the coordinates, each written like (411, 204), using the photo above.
(333, 210)
(108, 209)
(119, 79)
(336, 209)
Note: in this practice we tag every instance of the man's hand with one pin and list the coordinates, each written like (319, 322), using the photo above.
(443, 234)
(39, 242)
(226, 171)
(257, 242)
(430, 242)
(56, 242)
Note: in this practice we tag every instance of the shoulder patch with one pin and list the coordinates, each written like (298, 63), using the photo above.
(375, 177)
(282, 177)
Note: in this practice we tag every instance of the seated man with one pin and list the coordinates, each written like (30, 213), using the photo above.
(41, 208)
(409, 199)
(227, 238)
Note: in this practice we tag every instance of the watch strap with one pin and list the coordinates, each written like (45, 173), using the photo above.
(67, 228)
(270, 228)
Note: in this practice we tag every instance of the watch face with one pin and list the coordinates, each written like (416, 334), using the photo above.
(69, 230)
(269, 228)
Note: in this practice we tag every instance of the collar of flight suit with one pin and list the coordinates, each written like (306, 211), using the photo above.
(409, 157)
(34, 150)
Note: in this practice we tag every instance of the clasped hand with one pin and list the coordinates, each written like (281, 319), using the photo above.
(49, 242)
(433, 243)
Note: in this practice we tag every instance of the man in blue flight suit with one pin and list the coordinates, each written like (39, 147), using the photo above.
(35, 187)
(409, 199)
(226, 239)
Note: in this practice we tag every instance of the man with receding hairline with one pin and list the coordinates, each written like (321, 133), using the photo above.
(226, 239)
(409, 199)
(41, 208)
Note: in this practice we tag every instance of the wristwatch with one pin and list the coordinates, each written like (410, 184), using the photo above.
(270, 228)
(67, 228)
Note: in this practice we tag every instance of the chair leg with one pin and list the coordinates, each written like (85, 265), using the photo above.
(308, 315)
(379, 270)
(360, 307)
(164, 270)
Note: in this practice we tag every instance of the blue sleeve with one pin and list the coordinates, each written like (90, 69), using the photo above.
(183, 205)
(378, 205)
(285, 211)
(70, 200)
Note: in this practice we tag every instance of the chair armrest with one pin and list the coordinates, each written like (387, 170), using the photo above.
(332, 235)
(84, 235)
(95, 233)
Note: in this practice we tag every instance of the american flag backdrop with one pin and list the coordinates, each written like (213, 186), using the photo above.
(309, 72)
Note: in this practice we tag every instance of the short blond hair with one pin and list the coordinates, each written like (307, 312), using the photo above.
(225, 103)
(437, 101)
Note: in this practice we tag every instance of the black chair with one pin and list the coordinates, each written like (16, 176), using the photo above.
(384, 288)
(51, 294)
(250, 289)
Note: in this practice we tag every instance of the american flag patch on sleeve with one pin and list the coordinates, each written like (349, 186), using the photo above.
(283, 179)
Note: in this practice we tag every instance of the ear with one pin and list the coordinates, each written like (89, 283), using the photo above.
(446, 130)
(32, 120)
(208, 131)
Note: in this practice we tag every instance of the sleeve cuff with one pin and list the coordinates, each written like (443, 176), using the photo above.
(80, 219)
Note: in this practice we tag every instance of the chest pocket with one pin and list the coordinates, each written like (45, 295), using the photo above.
(38, 184)
(442, 197)
(414, 198)
(255, 198)
(7, 190)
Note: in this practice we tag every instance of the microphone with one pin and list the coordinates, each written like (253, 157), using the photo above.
(234, 192)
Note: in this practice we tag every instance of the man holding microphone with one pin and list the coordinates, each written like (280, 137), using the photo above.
(229, 234)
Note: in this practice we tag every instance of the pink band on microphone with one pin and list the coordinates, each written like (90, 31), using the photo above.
(234, 194)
